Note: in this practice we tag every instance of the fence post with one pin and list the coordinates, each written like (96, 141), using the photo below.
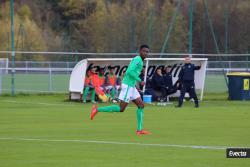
(26, 66)
(247, 64)
(50, 79)
(1, 85)
(68, 67)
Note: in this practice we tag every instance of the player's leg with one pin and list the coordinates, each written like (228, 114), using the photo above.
(113, 91)
(136, 98)
(140, 115)
(182, 95)
(93, 95)
(112, 108)
(124, 97)
(194, 96)
(85, 94)
(108, 90)
(163, 93)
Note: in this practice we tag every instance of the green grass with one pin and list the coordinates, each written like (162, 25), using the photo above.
(50, 117)
(37, 83)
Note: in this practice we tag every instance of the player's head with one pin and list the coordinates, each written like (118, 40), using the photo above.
(101, 71)
(88, 72)
(91, 70)
(187, 60)
(143, 70)
(168, 69)
(111, 70)
(159, 71)
(144, 51)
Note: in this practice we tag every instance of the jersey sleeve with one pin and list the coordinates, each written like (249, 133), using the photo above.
(197, 67)
(132, 70)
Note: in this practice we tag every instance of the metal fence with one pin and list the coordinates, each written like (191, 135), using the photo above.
(53, 76)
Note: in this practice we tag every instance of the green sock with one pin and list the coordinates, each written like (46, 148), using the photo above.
(85, 94)
(139, 113)
(113, 108)
(113, 92)
(93, 95)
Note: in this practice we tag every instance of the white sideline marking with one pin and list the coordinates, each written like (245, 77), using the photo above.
(39, 103)
(51, 104)
(118, 143)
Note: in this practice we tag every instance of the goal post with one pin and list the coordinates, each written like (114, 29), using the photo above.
(76, 83)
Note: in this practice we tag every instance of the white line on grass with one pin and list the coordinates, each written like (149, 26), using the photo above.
(39, 103)
(117, 143)
(51, 104)
(69, 104)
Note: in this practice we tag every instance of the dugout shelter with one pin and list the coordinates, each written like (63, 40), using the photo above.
(76, 82)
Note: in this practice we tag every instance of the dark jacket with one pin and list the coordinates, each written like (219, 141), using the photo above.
(167, 80)
(157, 81)
(187, 72)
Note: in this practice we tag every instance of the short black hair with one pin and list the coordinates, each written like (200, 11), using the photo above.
(101, 69)
(144, 46)
(159, 68)
(90, 68)
(111, 68)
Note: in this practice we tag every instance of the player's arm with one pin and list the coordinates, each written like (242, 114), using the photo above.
(197, 67)
(132, 71)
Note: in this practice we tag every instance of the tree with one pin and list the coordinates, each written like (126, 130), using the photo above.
(32, 37)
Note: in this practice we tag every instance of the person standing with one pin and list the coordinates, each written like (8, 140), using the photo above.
(186, 78)
(129, 92)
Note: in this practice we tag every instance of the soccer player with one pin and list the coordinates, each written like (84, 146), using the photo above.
(129, 91)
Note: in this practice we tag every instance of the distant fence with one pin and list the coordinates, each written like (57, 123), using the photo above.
(53, 76)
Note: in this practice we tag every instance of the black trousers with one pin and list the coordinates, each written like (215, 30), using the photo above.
(170, 91)
(188, 86)
(165, 91)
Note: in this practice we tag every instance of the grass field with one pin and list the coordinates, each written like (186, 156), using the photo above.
(37, 83)
(46, 130)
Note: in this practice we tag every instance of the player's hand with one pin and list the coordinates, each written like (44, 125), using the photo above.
(142, 83)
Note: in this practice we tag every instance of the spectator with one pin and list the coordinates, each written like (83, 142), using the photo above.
(102, 80)
(111, 83)
(88, 86)
(168, 83)
(157, 83)
(119, 80)
(98, 81)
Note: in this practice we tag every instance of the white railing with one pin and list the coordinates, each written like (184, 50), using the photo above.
(217, 64)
